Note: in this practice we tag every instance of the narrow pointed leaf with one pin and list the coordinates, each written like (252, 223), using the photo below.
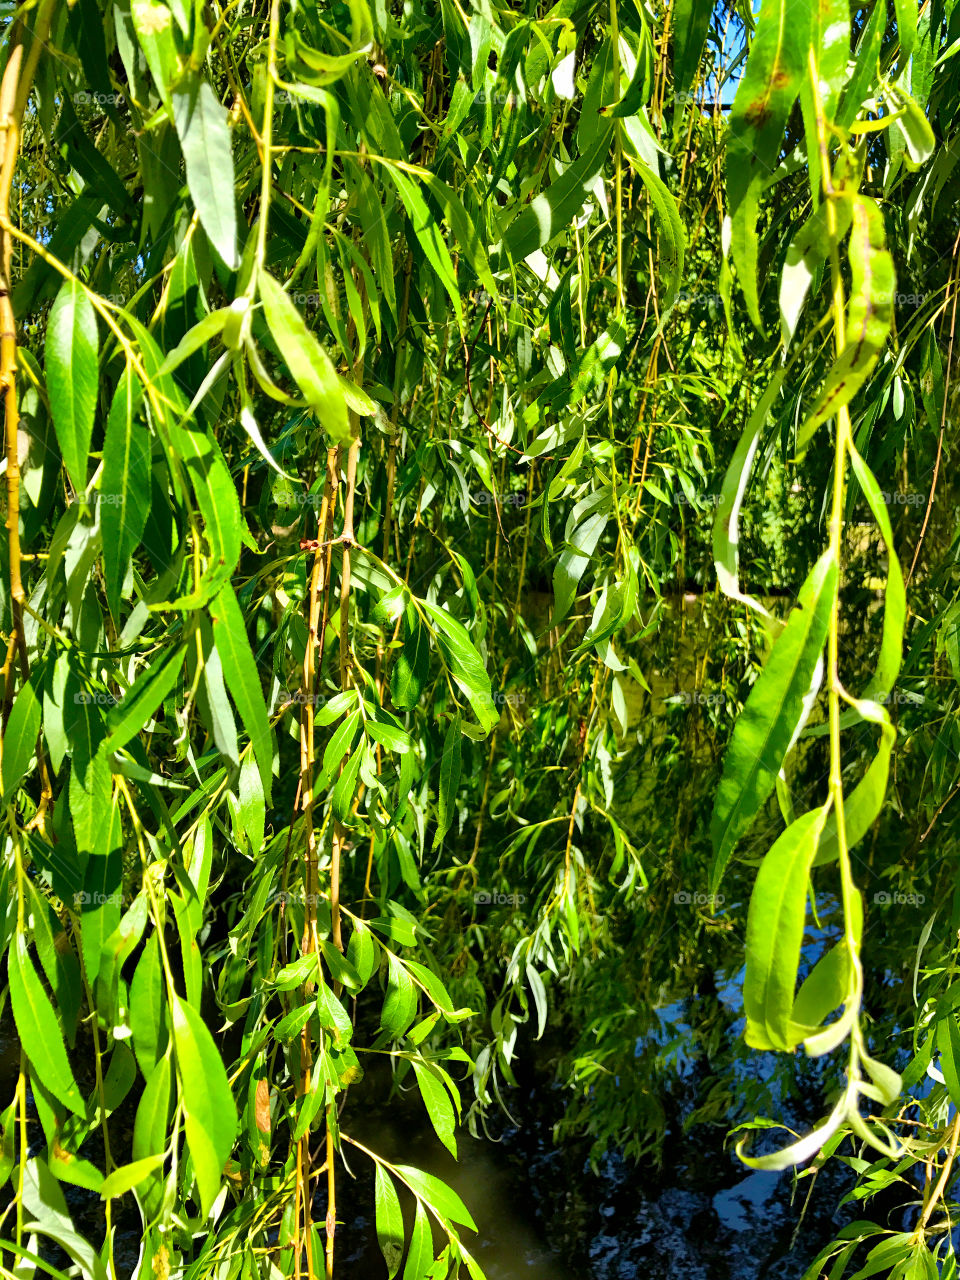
(71, 360)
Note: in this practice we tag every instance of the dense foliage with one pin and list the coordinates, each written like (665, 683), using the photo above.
(480, 557)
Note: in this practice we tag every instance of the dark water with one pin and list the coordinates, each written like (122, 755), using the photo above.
(542, 1212)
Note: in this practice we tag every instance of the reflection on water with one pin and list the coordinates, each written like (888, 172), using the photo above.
(541, 1212)
(509, 1242)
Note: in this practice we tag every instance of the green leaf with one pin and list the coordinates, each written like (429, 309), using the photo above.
(313, 65)
(208, 472)
(400, 1005)
(389, 1220)
(209, 1110)
(129, 1176)
(776, 68)
(466, 234)
(775, 924)
(449, 780)
(389, 736)
(823, 990)
(555, 209)
(438, 1104)
(146, 1014)
(362, 952)
(341, 741)
(906, 11)
(150, 1131)
(125, 485)
(207, 327)
(71, 349)
(153, 23)
(573, 562)
(673, 237)
(9, 1122)
(201, 124)
(865, 66)
(212, 700)
(38, 1029)
(102, 894)
(771, 716)
(868, 317)
(243, 680)
(948, 1043)
(411, 668)
(691, 22)
(290, 1026)
(427, 231)
(807, 251)
(140, 703)
(437, 1194)
(249, 809)
(862, 806)
(726, 530)
(20, 739)
(917, 133)
(345, 788)
(420, 1254)
(895, 599)
(310, 365)
(466, 666)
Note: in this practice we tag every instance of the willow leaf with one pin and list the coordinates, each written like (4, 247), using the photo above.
(807, 251)
(243, 680)
(726, 526)
(310, 365)
(20, 739)
(765, 730)
(775, 70)
(389, 1220)
(71, 361)
(868, 316)
(691, 22)
(449, 780)
(125, 487)
(201, 123)
(38, 1029)
(209, 1110)
(775, 924)
(141, 701)
(555, 209)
